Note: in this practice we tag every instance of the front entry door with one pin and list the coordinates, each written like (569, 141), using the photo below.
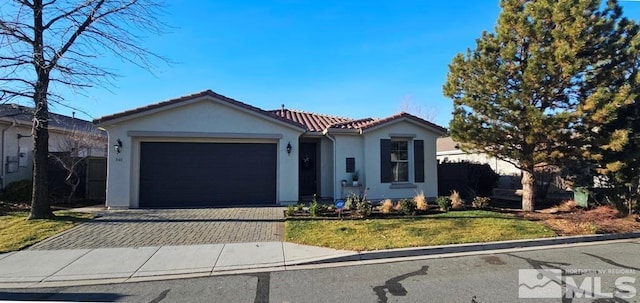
(307, 169)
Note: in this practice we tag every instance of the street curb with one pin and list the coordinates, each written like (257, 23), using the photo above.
(358, 258)
(474, 247)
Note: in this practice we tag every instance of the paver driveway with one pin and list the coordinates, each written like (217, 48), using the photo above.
(157, 227)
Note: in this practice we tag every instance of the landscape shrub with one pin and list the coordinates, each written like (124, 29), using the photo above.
(364, 208)
(314, 208)
(456, 200)
(407, 207)
(480, 202)
(386, 206)
(444, 203)
(18, 191)
(291, 210)
(421, 201)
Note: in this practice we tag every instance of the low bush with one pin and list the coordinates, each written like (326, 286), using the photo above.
(444, 203)
(300, 207)
(386, 206)
(456, 200)
(421, 201)
(348, 203)
(364, 208)
(480, 202)
(314, 208)
(407, 207)
(18, 191)
(291, 210)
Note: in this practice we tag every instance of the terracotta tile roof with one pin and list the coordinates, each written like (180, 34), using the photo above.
(353, 124)
(312, 121)
(309, 121)
(317, 122)
(191, 97)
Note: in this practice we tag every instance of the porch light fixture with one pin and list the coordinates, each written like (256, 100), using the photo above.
(289, 148)
(118, 146)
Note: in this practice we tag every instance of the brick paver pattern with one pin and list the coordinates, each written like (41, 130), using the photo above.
(138, 228)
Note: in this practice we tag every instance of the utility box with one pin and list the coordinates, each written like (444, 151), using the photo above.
(581, 196)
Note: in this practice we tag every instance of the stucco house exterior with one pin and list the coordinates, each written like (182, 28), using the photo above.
(206, 149)
(16, 143)
(448, 151)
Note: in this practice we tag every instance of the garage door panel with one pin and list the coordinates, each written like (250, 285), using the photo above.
(175, 174)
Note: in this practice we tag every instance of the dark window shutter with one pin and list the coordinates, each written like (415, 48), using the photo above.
(418, 157)
(385, 161)
(351, 165)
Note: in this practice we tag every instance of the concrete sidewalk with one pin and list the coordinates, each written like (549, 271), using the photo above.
(49, 268)
(35, 268)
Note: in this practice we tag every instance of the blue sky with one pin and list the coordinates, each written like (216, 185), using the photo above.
(346, 58)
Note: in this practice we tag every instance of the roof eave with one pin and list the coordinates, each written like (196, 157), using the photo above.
(101, 122)
(440, 131)
(343, 131)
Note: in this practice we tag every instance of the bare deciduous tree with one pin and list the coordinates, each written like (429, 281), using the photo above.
(73, 150)
(57, 43)
(409, 106)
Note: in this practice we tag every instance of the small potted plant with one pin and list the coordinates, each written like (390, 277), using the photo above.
(355, 177)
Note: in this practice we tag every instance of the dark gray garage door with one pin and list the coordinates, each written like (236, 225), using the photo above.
(207, 174)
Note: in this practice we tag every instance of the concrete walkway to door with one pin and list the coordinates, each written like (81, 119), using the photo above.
(162, 227)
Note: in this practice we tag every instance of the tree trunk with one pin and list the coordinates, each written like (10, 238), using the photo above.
(40, 207)
(528, 191)
(72, 192)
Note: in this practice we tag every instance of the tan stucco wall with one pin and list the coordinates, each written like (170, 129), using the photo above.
(202, 120)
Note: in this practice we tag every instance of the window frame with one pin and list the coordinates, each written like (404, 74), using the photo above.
(394, 162)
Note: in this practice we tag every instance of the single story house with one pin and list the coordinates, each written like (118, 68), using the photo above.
(206, 149)
(448, 151)
(16, 143)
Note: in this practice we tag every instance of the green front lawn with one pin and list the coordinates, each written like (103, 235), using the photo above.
(437, 229)
(16, 232)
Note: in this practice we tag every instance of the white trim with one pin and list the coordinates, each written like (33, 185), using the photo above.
(155, 134)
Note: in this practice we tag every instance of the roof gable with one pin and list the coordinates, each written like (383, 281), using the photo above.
(164, 105)
(403, 116)
(311, 122)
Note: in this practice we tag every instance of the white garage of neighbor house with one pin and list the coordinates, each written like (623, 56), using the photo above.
(206, 149)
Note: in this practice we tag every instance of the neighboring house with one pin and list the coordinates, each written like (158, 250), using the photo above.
(206, 149)
(16, 143)
(448, 151)
(509, 183)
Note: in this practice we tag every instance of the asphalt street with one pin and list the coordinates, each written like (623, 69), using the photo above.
(605, 272)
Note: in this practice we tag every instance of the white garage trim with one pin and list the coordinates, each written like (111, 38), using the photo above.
(155, 134)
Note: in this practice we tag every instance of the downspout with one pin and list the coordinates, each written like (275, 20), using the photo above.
(333, 141)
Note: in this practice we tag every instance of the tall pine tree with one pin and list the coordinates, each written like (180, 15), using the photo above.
(517, 94)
